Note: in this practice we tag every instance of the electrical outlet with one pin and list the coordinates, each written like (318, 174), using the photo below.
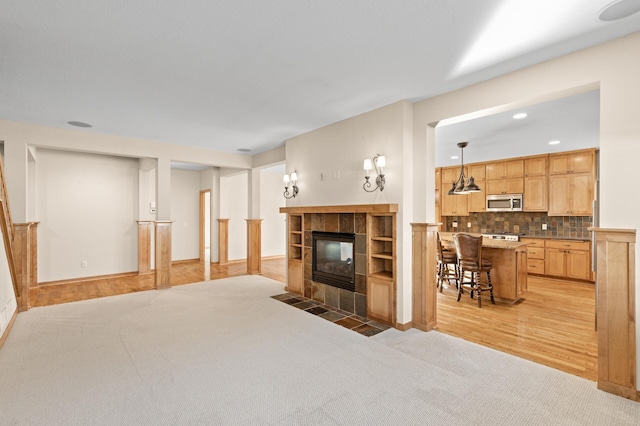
(455, 224)
(336, 174)
(468, 224)
(84, 264)
(321, 177)
(544, 226)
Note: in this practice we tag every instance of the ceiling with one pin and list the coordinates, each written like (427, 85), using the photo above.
(241, 74)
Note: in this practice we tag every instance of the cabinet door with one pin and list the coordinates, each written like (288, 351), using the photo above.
(554, 262)
(494, 187)
(535, 194)
(380, 301)
(494, 171)
(582, 162)
(581, 190)
(559, 164)
(295, 278)
(477, 200)
(578, 264)
(559, 203)
(454, 205)
(514, 185)
(514, 169)
(536, 166)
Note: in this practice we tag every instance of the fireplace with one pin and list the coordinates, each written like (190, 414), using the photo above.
(334, 259)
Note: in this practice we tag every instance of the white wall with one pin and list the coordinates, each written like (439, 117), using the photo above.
(185, 212)
(273, 222)
(234, 191)
(338, 151)
(87, 208)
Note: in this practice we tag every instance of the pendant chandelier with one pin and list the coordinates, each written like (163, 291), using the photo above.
(460, 186)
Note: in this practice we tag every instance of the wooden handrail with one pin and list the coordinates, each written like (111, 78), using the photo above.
(8, 246)
(5, 198)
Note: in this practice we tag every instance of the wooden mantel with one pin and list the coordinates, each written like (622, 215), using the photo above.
(351, 208)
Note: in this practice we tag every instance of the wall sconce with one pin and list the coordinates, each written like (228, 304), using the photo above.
(378, 163)
(294, 189)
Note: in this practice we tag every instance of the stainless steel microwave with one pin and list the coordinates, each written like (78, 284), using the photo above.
(504, 203)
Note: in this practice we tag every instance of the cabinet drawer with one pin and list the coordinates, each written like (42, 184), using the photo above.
(533, 242)
(535, 253)
(568, 245)
(535, 266)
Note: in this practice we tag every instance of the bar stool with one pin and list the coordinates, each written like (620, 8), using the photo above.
(446, 259)
(469, 250)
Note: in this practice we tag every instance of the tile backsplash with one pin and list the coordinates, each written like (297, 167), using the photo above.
(522, 222)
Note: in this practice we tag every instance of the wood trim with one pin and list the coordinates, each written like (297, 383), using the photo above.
(356, 208)
(163, 254)
(7, 330)
(254, 246)
(424, 297)
(223, 241)
(25, 255)
(183, 261)
(144, 246)
(403, 327)
(93, 278)
(7, 234)
(615, 301)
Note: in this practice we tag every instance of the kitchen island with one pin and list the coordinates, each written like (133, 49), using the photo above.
(509, 259)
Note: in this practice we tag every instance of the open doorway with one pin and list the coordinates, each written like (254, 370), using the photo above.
(554, 324)
(205, 226)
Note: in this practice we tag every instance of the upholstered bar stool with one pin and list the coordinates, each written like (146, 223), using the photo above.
(469, 250)
(446, 260)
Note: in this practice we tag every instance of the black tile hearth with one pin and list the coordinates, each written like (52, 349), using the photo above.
(337, 316)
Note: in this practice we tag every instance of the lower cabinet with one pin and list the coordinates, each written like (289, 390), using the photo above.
(295, 280)
(381, 299)
(568, 259)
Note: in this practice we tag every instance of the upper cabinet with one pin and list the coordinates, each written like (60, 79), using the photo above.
(476, 202)
(572, 162)
(536, 188)
(505, 177)
(571, 183)
(453, 205)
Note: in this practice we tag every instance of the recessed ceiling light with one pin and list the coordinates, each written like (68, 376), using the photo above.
(454, 157)
(79, 124)
(619, 9)
(554, 142)
(244, 150)
(520, 115)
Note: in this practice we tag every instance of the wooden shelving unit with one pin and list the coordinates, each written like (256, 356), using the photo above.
(295, 281)
(381, 267)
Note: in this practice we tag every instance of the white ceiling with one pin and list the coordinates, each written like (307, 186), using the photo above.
(249, 74)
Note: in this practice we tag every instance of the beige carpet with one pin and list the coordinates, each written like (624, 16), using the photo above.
(224, 352)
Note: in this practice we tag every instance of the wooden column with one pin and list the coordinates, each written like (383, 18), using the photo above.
(254, 247)
(423, 271)
(163, 254)
(145, 228)
(615, 304)
(223, 241)
(25, 255)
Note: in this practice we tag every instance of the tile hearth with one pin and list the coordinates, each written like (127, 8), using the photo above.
(345, 319)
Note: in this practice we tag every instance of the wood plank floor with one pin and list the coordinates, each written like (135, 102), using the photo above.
(181, 273)
(553, 326)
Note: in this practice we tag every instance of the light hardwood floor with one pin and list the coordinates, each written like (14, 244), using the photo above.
(553, 326)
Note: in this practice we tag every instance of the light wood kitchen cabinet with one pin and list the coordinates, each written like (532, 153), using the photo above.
(571, 194)
(438, 195)
(535, 255)
(536, 186)
(568, 259)
(452, 205)
(572, 162)
(505, 186)
(505, 177)
(477, 200)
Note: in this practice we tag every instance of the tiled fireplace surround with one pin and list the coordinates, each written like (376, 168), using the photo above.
(353, 302)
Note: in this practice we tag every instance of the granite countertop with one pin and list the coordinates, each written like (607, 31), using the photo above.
(555, 238)
(487, 242)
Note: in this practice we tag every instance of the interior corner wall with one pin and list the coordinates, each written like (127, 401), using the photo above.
(87, 208)
(185, 214)
(210, 179)
(234, 192)
(273, 222)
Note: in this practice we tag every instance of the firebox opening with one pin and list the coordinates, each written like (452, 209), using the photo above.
(334, 260)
